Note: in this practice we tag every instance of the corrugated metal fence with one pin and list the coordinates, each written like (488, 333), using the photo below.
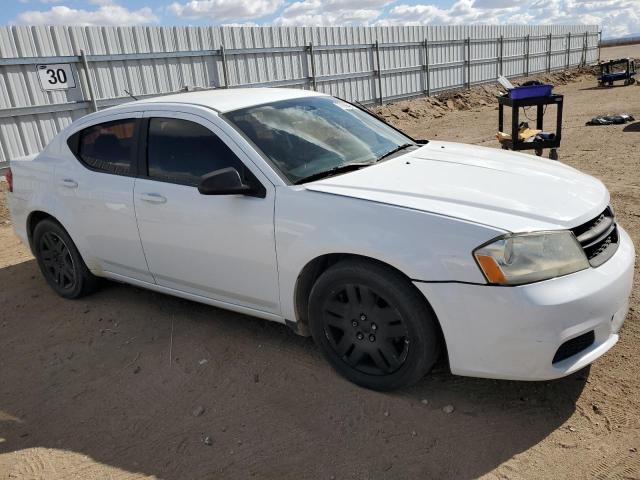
(368, 64)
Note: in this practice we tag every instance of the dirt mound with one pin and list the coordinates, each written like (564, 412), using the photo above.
(479, 96)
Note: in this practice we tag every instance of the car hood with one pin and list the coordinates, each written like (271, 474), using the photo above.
(504, 189)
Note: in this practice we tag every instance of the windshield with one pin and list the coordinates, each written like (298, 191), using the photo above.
(304, 137)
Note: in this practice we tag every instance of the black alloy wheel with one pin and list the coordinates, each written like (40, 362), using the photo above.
(60, 262)
(373, 325)
(365, 331)
(57, 260)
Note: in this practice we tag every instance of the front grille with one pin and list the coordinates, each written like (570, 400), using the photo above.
(598, 237)
(574, 346)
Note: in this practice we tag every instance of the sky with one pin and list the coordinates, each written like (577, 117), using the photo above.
(616, 17)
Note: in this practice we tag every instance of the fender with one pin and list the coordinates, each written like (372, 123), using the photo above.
(36, 192)
(351, 226)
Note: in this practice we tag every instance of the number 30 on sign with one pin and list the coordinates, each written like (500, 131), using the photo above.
(56, 76)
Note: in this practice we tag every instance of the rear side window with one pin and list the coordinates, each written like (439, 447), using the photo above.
(109, 147)
(180, 151)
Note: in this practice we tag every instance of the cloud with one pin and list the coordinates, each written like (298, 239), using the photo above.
(616, 17)
(496, 3)
(332, 12)
(107, 13)
(40, 1)
(461, 12)
(222, 10)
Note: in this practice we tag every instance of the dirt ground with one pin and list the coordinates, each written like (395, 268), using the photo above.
(623, 51)
(129, 384)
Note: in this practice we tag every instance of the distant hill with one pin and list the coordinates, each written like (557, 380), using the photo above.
(625, 40)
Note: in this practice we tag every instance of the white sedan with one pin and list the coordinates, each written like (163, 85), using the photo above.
(300, 208)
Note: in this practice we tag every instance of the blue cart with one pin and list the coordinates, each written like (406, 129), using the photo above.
(617, 70)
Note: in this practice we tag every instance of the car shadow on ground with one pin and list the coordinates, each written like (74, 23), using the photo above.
(155, 385)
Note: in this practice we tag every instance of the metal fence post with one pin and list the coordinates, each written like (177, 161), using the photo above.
(94, 102)
(568, 49)
(468, 48)
(497, 42)
(312, 64)
(379, 72)
(501, 57)
(549, 54)
(599, 44)
(583, 57)
(225, 73)
(526, 55)
(426, 67)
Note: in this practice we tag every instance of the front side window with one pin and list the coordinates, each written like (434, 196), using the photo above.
(109, 147)
(306, 136)
(180, 151)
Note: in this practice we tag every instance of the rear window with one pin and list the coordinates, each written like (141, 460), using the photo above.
(109, 147)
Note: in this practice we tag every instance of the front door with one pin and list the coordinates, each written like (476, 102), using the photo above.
(219, 247)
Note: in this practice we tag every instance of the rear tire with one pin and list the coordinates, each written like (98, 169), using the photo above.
(373, 326)
(60, 262)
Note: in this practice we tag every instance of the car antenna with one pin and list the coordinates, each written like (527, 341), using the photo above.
(130, 94)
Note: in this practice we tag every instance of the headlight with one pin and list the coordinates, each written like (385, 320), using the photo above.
(516, 259)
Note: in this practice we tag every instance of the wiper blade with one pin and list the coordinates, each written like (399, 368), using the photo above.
(333, 171)
(395, 150)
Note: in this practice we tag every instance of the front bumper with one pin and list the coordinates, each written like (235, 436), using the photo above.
(514, 332)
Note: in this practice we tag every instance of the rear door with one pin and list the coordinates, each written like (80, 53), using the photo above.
(219, 247)
(96, 189)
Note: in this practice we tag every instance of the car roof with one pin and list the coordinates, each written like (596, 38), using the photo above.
(227, 99)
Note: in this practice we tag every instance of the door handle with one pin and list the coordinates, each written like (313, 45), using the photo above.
(153, 198)
(69, 183)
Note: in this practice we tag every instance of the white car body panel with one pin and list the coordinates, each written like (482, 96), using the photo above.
(197, 298)
(422, 212)
(514, 332)
(509, 190)
(218, 247)
(30, 190)
(311, 224)
(101, 207)
(224, 100)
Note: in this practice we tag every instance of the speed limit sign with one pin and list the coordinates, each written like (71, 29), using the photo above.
(57, 76)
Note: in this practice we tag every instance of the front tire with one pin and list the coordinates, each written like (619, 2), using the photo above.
(372, 325)
(60, 262)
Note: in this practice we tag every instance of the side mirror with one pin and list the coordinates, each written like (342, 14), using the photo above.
(225, 181)
(422, 142)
